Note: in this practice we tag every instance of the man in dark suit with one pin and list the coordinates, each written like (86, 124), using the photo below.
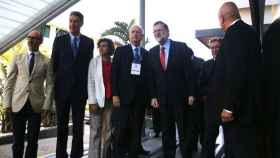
(271, 110)
(237, 83)
(172, 90)
(197, 108)
(70, 60)
(130, 75)
(211, 115)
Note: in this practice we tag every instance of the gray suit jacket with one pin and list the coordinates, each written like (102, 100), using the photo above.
(20, 86)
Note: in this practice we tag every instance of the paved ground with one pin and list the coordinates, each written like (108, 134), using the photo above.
(47, 146)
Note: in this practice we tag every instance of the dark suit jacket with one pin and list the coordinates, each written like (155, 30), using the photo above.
(235, 84)
(206, 75)
(125, 85)
(70, 74)
(271, 52)
(197, 68)
(173, 85)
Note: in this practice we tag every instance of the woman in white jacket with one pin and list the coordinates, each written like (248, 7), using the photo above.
(100, 100)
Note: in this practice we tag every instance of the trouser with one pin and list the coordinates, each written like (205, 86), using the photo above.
(19, 120)
(100, 133)
(77, 104)
(240, 141)
(210, 135)
(198, 121)
(156, 120)
(126, 121)
(179, 115)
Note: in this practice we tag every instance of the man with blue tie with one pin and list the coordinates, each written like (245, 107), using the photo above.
(130, 75)
(70, 61)
(172, 90)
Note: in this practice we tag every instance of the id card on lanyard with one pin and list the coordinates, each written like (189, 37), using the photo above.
(135, 69)
(136, 63)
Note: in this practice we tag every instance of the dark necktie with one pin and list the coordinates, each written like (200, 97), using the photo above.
(162, 57)
(136, 55)
(75, 46)
(31, 62)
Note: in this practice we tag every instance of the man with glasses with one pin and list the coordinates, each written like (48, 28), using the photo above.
(26, 97)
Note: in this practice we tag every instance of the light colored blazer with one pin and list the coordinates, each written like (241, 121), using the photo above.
(20, 86)
(96, 88)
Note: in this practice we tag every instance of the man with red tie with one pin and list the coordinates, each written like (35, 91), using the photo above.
(172, 90)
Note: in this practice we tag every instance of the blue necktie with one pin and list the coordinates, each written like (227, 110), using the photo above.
(136, 55)
(75, 46)
(31, 62)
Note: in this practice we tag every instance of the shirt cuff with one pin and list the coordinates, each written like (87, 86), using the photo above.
(227, 111)
(92, 101)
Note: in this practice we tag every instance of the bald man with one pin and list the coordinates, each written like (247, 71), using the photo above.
(236, 83)
(26, 96)
(271, 49)
(130, 75)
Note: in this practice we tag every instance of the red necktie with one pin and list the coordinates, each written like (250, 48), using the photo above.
(162, 57)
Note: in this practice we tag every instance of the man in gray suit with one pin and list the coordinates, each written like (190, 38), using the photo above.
(26, 95)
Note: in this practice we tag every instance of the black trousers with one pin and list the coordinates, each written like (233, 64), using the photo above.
(156, 120)
(180, 115)
(26, 116)
(240, 140)
(197, 112)
(275, 138)
(211, 131)
(141, 114)
(77, 105)
(127, 122)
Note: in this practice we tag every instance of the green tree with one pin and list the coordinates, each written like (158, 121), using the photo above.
(120, 29)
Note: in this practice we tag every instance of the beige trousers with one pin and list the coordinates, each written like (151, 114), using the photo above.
(100, 134)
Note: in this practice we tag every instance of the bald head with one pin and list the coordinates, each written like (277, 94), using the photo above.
(227, 14)
(35, 34)
(136, 27)
(34, 40)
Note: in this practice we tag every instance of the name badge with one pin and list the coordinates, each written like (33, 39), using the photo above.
(135, 69)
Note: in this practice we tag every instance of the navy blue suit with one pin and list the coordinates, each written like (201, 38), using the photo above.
(133, 91)
(70, 78)
(171, 87)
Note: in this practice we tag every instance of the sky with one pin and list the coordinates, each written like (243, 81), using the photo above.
(182, 16)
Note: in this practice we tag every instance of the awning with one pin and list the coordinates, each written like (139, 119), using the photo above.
(18, 17)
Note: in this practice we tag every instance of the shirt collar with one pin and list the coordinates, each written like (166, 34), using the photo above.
(133, 46)
(29, 52)
(235, 21)
(166, 45)
(72, 36)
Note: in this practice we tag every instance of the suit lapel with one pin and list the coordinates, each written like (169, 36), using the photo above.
(81, 44)
(143, 54)
(99, 67)
(25, 63)
(130, 53)
(69, 47)
(36, 62)
(158, 58)
(171, 54)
